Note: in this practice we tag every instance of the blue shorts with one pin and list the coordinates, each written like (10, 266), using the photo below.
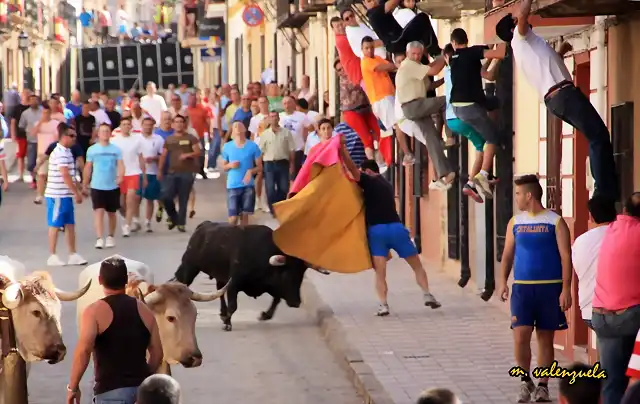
(537, 305)
(390, 236)
(241, 200)
(125, 395)
(60, 212)
(153, 189)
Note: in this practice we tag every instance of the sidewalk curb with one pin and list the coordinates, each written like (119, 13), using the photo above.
(350, 359)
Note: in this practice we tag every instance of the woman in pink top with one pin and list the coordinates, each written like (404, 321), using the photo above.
(47, 131)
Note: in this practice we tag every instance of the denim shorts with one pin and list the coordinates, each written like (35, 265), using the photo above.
(241, 200)
(125, 395)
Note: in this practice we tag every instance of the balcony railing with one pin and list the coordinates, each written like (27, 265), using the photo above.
(289, 14)
(315, 5)
(451, 9)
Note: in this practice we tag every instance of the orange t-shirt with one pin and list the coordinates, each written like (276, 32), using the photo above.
(198, 116)
(378, 85)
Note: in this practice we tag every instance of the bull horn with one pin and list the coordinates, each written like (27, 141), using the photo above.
(71, 296)
(277, 260)
(12, 296)
(152, 298)
(208, 297)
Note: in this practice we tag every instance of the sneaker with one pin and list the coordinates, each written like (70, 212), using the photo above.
(135, 226)
(524, 395)
(147, 227)
(126, 231)
(430, 301)
(472, 193)
(440, 185)
(38, 200)
(215, 175)
(483, 185)
(76, 259)
(99, 244)
(408, 160)
(110, 242)
(181, 229)
(55, 261)
(541, 394)
(170, 225)
(192, 214)
(159, 214)
(383, 310)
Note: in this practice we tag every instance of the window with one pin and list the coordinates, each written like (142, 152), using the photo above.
(250, 53)
(263, 53)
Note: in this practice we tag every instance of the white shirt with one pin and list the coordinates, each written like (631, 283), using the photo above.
(296, 122)
(122, 17)
(254, 125)
(403, 16)
(355, 35)
(541, 65)
(268, 76)
(101, 117)
(305, 93)
(131, 147)
(584, 255)
(60, 157)
(155, 105)
(311, 116)
(152, 147)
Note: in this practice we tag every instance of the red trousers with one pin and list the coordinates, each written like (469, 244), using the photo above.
(365, 124)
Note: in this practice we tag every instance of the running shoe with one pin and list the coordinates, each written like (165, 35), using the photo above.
(526, 389)
(541, 395)
(76, 259)
(99, 244)
(383, 310)
(159, 214)
(192, 214)
(472, 193)
(110, 242)
(55, 261)
(126, 231)
(483, 185)
(430, 301)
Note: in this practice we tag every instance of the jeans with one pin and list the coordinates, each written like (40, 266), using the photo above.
(573, 107)
(125, 395)
(475, 115)
(177, 185)
(420, 111)
(203, 153)
(616, 337)
(276, 180)
(32, 156)
(214, 149)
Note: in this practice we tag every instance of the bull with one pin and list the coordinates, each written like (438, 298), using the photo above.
(245, 259)
(35, 307)
(172, 304)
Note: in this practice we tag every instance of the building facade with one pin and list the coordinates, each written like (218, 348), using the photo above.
(35, 41)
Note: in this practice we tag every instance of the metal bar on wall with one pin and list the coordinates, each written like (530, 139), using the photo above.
(139, 53)
(465, 268)
(100, 70)
(120, 72)
(179, 59)
(81, 71)
(421, 164)
(402, 193)
(453, 209)
(159, 65)
(274, 62)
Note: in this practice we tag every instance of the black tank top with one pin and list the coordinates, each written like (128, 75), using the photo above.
(119, 354)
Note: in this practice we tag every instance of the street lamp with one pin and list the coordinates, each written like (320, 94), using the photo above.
(23, 41)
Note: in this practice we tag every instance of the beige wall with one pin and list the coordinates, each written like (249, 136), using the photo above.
(624, 82)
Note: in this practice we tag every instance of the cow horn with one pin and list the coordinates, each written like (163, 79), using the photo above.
(277, 260)
(208, 297)
(152, 298)
(71, 296)
(12, 295)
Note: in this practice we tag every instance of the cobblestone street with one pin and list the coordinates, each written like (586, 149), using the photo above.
(284, 361)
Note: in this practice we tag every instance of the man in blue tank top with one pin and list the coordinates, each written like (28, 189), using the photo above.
(538, 248)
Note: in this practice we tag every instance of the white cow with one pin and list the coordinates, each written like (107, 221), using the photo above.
(35, 307)
(172, 304)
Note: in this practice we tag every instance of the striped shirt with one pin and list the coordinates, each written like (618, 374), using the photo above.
(60, 157)
(633, 370)
(353, 143)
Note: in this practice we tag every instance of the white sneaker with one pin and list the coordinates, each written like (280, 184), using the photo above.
(135, 226)
(76, 259)
(215, 175)
(126, 231)
(55, 261)
(99, 244)
(147, 227)
(110, 242)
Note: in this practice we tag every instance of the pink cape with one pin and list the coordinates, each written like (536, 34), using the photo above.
(324, 154)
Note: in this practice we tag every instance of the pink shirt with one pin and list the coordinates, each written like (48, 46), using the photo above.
(47, 134)
(618, 278)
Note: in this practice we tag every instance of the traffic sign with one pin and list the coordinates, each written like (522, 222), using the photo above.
(253, 15)
(211, 55)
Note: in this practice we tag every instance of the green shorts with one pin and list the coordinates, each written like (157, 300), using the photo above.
(462, 129)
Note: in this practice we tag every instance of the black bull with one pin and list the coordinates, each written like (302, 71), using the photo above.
(246, 257)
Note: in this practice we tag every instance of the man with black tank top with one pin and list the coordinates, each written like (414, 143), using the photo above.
(118, 330)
